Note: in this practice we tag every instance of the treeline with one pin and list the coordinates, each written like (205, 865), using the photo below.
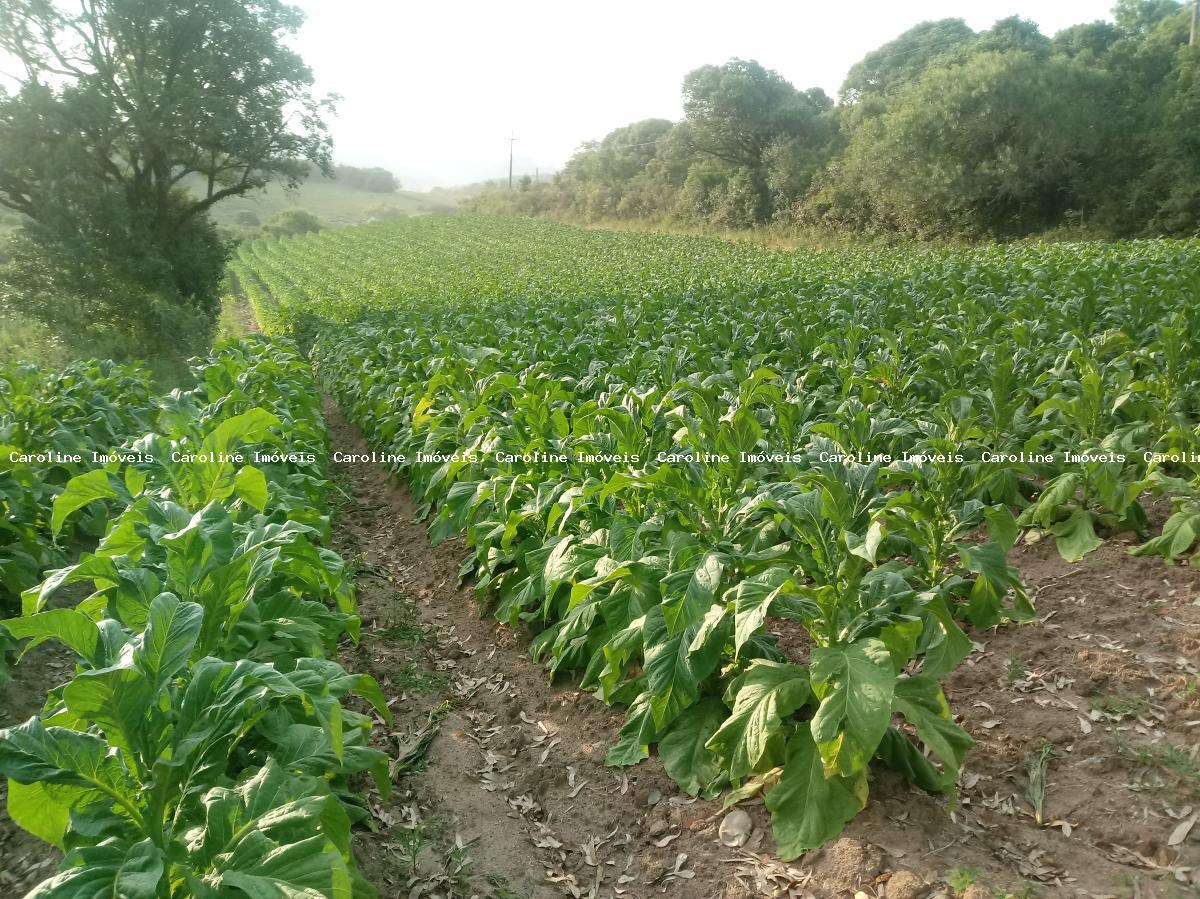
(943, 132)
(376, 180)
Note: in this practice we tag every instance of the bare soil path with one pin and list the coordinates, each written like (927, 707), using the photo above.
(24, 859)
(511, 796)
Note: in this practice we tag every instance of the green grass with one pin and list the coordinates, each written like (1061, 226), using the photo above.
(1014, 670)
(333, 203)
(960, 879)
(414, 677)
(403, 623)
(1120, 705)
(22, 340)
(1175, 762)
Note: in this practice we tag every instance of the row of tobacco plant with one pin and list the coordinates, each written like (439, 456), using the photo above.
(203, 746)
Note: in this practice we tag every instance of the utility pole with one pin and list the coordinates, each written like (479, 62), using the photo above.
(1195, 16)
(511, 139)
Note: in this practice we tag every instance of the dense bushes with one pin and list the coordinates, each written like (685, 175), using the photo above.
(940, 133)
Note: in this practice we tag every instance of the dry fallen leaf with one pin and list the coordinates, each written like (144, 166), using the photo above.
(578, 787)
(1181, 831)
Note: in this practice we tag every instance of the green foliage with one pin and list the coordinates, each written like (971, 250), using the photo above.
(938, 134)
(202, 745)
(290, 222)
(375, 180)
(65, 417)
(663, 452)
(96, 141)
(963, 150)
(902, 60)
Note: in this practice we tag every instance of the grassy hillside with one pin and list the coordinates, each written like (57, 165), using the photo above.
(335, 203)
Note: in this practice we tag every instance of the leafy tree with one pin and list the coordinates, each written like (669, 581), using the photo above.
(119, 102)
(1141, 16)
(1167, 197)
(1093, 38)
(376, 180)
(604, 175)
(289, 222)
(751, 119)
(941, 132)
(1013, 33)
(735, 111)
(902, 60)
(966, 151)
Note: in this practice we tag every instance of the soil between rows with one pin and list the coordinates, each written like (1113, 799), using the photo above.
(1103, 685)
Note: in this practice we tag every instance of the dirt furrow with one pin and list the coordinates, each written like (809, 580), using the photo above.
(511, 797)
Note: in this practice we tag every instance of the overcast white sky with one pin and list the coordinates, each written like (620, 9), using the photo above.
(432, 89)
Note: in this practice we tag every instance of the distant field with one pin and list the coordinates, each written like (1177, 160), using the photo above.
(336, 204)
(329, 200)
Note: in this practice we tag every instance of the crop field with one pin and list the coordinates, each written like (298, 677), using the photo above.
(896, 551)
(200, 745)
(765, 502)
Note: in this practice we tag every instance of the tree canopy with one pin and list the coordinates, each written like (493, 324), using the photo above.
(942, 132)
(375, 180)
(118, 103)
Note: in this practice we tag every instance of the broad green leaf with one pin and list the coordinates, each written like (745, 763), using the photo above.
(32, 753)
(81, 490)
(900, 639)
(855, 684)
(73, 628)
(108, 871)
(996, 579)
(923, 704)
(673, 671)
(682, 748)
(638, 732)
(752, 600)
(1076, 536)
(34, 808)
(682, 608)
(1058, 493)
(948, 644)
(1002, 527)
(765, 695)
(902, 756)
(172, 630)
(101, 570)
(807, 807)
(309, 869)
(250, 485)
(115, 699)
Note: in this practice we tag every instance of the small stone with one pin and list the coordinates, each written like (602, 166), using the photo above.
(904, 884)
(736, 828)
